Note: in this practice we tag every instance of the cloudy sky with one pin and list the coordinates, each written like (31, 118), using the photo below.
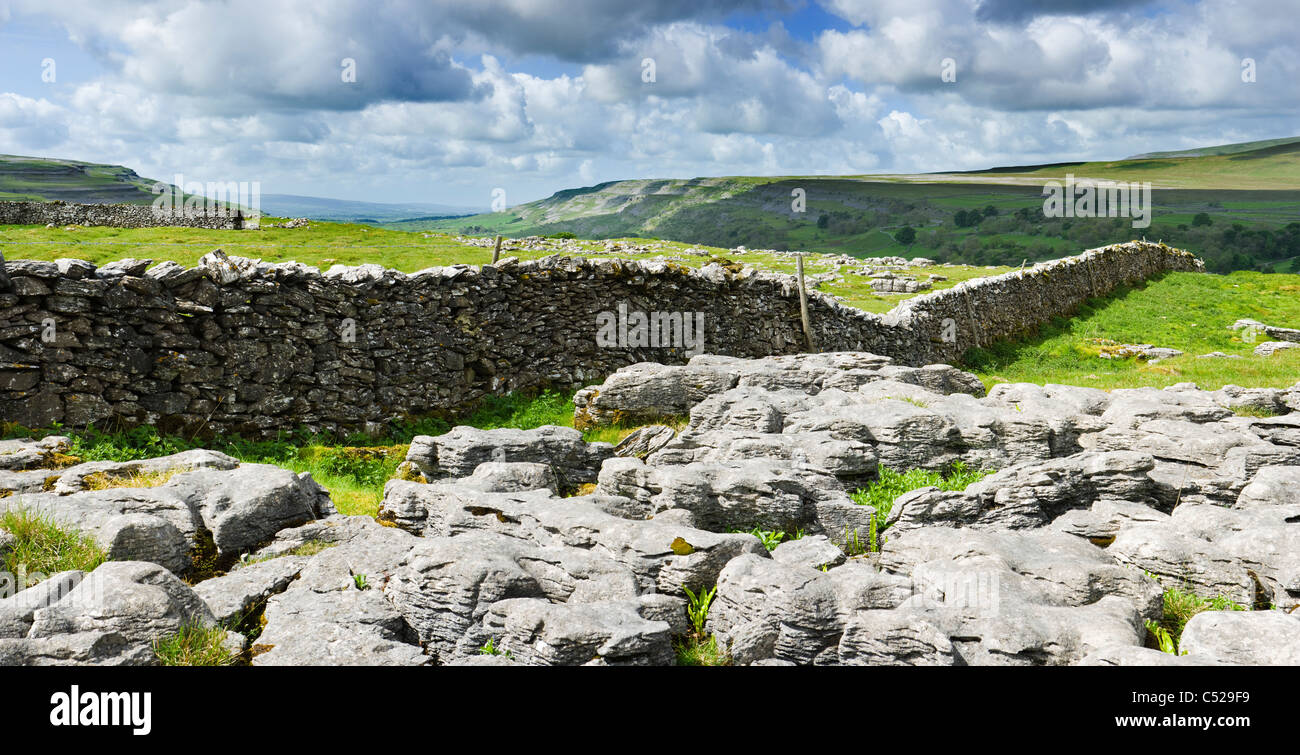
(455, 98)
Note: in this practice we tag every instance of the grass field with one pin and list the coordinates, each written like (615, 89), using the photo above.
(326, 244)
(1186, 311)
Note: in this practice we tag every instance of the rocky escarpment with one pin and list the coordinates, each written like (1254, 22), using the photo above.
(237, 345)
(1099, 503)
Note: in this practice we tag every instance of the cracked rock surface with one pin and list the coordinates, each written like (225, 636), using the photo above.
(534, 547)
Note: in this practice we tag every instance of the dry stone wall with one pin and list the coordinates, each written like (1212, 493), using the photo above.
(116, 215)
(237, 345)
(985, 310)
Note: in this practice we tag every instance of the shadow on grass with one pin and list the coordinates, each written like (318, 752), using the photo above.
(1047, 346)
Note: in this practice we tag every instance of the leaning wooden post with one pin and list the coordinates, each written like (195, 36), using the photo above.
(496, 251)
(803, 303)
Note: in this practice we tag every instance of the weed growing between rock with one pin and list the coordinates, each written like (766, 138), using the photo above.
(772, 538)
(205, 560)
(693, 652)
(853, 545)
(309, 548)
(593, 432)
(249, 623)
(196, 645)
(699, 648)
(891, 484)
(1254, 411)
(1179, 608)
(490, 648)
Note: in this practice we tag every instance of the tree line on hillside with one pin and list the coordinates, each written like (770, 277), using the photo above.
(989, 237)
(1225, 246)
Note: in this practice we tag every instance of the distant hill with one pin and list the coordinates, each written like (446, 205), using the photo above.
(350, 211)
(672, 207)
(993, 215)
(46, 179)
(1272, 165)
(1222, 149)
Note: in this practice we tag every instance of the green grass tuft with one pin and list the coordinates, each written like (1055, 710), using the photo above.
(891, 484)
(1254, 411)
(195, 645)
(43, 547)
(692, 651)
(1180, 605)
(1162, 638)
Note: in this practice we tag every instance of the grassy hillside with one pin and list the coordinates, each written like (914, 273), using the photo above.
(42, 179)
(1275, 167)
(1232, 207)
(1221, 149)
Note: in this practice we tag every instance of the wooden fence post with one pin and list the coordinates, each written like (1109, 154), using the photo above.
(803, 303)
(496, 252)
